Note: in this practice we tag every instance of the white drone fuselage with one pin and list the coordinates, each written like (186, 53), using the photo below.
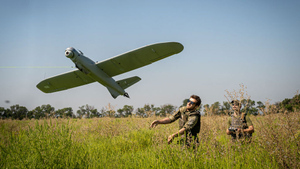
(89, 67)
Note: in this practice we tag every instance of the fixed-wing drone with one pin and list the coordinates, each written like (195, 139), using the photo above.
(102, 72)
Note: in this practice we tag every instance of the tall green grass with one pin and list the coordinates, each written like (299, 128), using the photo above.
(129, 143)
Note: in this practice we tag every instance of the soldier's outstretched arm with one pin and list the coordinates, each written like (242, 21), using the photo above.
(171, 137)
(162, 121)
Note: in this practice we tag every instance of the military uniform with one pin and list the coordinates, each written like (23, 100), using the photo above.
(190, 120)
(241, 121)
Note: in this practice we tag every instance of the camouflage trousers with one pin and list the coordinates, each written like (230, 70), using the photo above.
(189, 142)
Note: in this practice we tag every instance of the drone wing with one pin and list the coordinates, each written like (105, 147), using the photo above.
(64, 81)
(139, 57)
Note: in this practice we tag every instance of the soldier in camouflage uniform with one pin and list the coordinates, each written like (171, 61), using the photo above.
(189, 121)
(240, 125)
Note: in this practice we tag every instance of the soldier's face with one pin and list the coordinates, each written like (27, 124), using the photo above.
(191, 104)
(235, 107)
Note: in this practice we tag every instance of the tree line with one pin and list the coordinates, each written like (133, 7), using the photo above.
(255, 108)
(87, 111)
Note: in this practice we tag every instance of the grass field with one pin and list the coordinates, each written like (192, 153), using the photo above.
(129, 143)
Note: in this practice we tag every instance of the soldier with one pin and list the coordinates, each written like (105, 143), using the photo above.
(189, 121)
(240, 125)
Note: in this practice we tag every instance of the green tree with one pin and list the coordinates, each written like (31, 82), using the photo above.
(166, 109)
(42, 111)
(125, 111)
(249, 106)
(260, 106)
(215, 108)
(18, 112)
(287, 104)
(296, 102)
(291, 104)
(65, 112)
(148, 110)
(151, 110)
(88, 111)
(155, 110)
(141, 112)
(95, 113)
(30, 114)
(206, 109)
(5, 113)
(225, 109)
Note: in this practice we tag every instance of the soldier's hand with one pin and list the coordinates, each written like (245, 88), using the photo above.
(154, 124)
(170, 139)
(228, 132)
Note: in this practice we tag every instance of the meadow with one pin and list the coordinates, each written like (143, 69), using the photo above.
(130, 143)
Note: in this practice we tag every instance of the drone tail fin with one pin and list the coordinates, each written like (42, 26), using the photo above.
(124, 84)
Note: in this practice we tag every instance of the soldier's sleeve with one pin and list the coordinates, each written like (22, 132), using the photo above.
(191, 122)
(249, 122)
(229, 122)
(176, 115)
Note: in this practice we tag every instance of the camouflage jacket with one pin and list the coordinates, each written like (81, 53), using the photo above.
(190, 120)
(241, 121)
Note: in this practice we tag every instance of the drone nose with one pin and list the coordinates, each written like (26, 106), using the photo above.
(69, 54)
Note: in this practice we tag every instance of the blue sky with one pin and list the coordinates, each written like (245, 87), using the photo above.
(226, 43)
